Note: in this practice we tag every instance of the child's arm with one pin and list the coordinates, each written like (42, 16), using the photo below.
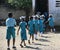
(27, 27)
(18, 31)
(47, 20)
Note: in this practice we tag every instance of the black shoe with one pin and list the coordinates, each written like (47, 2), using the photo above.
(21, 45)
(8, 48)
(36, 39)
(13, 47)
(32, 42)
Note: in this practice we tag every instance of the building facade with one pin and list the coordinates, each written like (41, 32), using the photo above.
(50, 6)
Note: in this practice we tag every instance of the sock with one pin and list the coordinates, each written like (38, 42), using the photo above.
(41, 32)
(35, 36)
(8, 46)
(54, 29)
(51, 30)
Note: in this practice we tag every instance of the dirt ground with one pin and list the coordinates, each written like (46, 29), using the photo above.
(49, 41)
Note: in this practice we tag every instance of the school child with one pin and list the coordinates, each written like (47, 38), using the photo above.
(31, 29)
(36, 26)
(41, 24)
(22, 26)
(51, 22)
(10, 24)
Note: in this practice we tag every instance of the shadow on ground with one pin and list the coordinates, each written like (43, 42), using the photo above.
(40, 44)
(46, 36)
(36, 48)
(43, 40)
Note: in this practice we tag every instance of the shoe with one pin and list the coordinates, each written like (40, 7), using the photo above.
(32, 42)
(36, 39)
(21, 45)
(8, 48)
(13, 47)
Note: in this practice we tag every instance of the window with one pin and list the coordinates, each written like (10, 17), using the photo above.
(57, 3)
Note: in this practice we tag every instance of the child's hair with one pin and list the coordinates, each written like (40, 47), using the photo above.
(31, 18)
(10, 14)
(50, 15)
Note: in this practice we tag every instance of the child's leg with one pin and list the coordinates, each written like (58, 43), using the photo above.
(8, 43)
(14, 43)
(33, 38)
(24, 43)
(51, 28)
(41, 34)
(36, 35)
(29, 39)
(54, 29)
(21, 43)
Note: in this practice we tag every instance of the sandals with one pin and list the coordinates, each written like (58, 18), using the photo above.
(21, 45)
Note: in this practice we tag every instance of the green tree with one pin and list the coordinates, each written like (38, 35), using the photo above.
(26, 5)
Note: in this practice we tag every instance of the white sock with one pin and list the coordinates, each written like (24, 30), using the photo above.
(51, 30)
(41, 32)
(8, 46)
(35, 36)
(54, 30)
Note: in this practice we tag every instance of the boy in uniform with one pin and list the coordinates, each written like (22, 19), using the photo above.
(10, 24)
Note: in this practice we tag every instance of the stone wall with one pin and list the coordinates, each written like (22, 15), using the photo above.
(4, 12)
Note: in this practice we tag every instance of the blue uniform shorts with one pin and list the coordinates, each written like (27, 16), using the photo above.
(10, 32)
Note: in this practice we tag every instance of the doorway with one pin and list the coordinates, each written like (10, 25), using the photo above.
(41, 6)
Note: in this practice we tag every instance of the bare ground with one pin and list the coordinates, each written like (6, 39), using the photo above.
(49, 41)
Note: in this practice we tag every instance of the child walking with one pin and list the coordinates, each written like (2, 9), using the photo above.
(10, 24)
(22, 25)
(51, 22)
(36, 26)
(41, 24)
(31, 29)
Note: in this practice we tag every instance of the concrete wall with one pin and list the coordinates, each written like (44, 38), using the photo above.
(4, 12)
(55, 11)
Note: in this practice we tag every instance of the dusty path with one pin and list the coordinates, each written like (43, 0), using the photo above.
(50, 41)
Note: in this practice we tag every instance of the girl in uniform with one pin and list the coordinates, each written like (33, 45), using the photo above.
(51, 22)
(41, 24)
(31, 29)
(22, 26)
(36, 26)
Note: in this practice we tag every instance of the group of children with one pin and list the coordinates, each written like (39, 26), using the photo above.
(35, 24)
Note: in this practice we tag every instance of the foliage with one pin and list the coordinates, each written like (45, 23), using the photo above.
(21, 3)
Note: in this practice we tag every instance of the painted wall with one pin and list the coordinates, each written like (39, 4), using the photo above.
(55, 11)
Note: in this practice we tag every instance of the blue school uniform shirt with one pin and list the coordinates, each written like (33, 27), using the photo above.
(23, 26)
(23, 30)
(36, 24)
(31, 26)
(41, 25)
(51, 21)
(10, 22)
